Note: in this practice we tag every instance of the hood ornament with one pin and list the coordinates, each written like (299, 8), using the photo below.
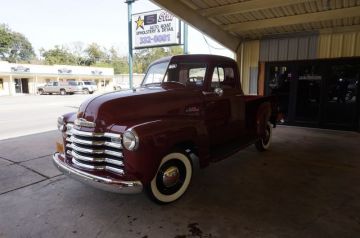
(83, 122)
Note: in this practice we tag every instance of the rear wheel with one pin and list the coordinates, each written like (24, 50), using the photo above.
(172, 178)
(263, 144)
(86, 91)
(62, 92)
(41, 91)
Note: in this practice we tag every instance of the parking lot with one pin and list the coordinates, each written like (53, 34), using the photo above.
(306, 186)
(28, 114)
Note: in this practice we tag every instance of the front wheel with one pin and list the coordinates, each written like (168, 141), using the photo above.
(62, 92)
(263, 144)
(172, 178)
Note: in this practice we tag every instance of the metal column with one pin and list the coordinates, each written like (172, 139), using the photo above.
(130, 59)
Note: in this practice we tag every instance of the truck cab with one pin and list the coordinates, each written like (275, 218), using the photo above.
(189, 112)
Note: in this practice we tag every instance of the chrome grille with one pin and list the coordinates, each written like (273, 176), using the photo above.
(95, 151)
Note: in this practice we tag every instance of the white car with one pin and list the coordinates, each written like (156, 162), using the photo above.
(121, 86)
(87, 86)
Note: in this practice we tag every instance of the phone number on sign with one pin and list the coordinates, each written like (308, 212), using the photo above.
(154, 39)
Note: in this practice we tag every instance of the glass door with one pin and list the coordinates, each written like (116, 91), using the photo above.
(18, 86)
(308, 93)
(279, 80)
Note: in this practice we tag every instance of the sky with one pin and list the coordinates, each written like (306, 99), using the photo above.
(47, 23)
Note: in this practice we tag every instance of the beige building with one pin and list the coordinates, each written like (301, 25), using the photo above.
(25, 78)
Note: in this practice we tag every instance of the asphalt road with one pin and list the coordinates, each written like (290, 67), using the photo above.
(29, 114)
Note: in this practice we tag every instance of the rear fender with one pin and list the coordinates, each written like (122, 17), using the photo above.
(262, 118)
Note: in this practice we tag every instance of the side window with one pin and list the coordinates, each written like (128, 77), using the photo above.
(217, 77)
(196, 76)
(186, 74)
(229, 78)
(56, 84)
(223, 78)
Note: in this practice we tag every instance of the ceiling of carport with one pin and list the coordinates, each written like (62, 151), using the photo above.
(231, 22)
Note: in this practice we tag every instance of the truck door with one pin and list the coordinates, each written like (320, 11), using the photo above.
(224, 106)
(48, 87)
(55, 87)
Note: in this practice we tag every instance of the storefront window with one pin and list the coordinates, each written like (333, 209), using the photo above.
(342, 82)
(320, 93)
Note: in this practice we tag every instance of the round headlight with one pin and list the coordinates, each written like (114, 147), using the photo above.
(130, 140)
(60, 123)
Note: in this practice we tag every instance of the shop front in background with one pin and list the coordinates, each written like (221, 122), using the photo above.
(21, 85)
(316, 93)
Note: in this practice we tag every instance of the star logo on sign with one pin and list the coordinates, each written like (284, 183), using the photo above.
(139, 23)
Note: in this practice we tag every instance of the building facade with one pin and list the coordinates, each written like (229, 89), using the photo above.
(25, 78)
(315, 76)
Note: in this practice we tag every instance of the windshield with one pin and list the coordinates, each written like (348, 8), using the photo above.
(89, 83)
(155, 74)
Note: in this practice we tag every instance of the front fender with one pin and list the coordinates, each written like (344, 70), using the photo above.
(158, 138)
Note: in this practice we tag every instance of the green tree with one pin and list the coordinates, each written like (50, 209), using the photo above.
(143, 58)
(58, 55)
(95, 53)
(14, 46)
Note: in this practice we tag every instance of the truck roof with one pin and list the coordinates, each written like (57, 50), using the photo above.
(196, 58)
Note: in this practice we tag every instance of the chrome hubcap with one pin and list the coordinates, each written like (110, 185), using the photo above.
(171, 176)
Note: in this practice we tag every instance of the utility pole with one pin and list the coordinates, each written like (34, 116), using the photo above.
(186, 41)
(130, 59)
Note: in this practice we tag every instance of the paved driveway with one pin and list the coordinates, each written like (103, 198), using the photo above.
(29, 114)
(306, 186)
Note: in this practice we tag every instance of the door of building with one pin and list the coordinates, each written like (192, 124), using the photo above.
(308, 93)
(22, 85)
(18, 86)
(25, 85)
(280, 82)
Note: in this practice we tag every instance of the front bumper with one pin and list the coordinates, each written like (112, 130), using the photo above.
(107, 184)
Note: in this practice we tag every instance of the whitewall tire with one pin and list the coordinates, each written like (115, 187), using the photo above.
(263, 144)
(172, 178)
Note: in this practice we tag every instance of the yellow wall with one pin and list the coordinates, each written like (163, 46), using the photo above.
(250, 59)
(336, 45)
(331, 45)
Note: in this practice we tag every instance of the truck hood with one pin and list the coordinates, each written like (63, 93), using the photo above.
(127, 108)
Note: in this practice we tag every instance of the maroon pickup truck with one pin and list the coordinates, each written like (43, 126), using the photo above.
(189, 111)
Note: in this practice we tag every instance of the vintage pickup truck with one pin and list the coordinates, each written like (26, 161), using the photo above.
(190, 111)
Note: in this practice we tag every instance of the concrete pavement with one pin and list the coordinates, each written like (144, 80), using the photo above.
(29, 114)
(306, 186)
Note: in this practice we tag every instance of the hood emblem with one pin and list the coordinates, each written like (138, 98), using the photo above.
(83, 122)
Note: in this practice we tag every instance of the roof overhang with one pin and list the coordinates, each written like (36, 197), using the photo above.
(232, 23)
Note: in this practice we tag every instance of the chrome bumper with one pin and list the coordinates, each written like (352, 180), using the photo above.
(107, 184)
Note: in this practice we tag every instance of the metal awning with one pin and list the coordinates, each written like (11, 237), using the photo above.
(230, 21)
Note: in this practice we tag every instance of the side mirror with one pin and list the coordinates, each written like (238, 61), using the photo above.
(219, 91)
